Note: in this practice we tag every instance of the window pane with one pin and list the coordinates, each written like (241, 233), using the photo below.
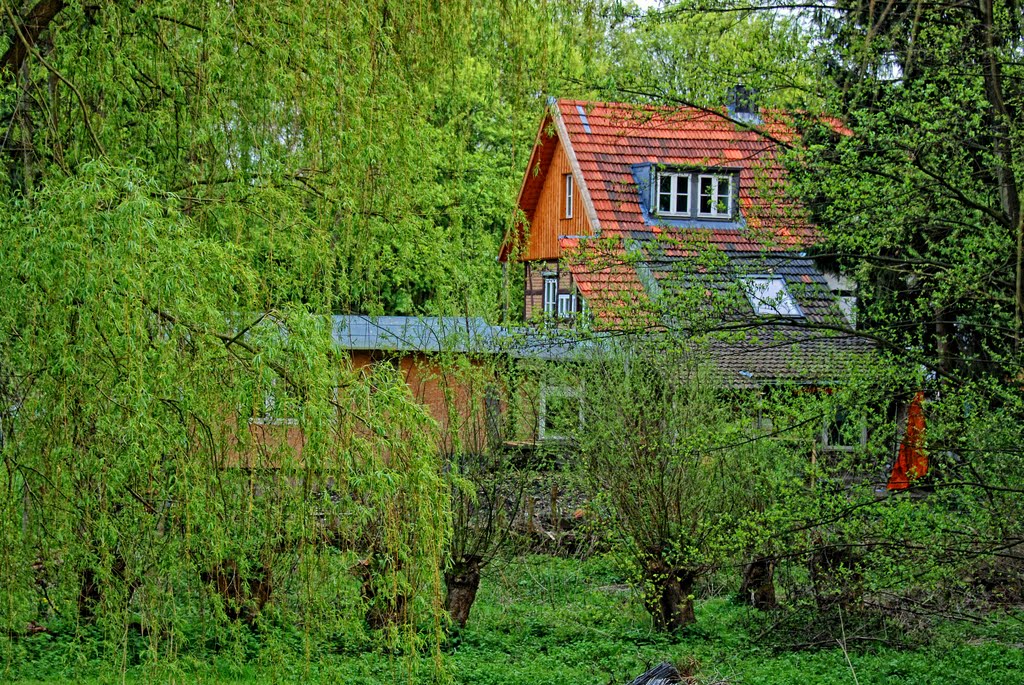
(769, 297)
(722, 192)
(706, 189)
(550, 294)
(664, 193)
(682, 194)
(565, 308)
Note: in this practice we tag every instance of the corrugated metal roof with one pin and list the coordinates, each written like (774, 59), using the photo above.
(431, 334)
(415, 334)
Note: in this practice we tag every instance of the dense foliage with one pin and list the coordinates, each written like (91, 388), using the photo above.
(567, 621)
(912, 177)
(191, 468)
(187, 190)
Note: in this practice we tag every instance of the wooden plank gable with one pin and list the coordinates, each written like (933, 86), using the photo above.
(548, 220)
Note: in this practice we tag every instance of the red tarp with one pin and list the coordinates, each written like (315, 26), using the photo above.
(912, 462)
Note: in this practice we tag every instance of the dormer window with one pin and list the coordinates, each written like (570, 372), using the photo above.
(715, 196)
(693, 195)
(769, 297)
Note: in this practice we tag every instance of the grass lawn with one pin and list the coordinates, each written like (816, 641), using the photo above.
(552, 621)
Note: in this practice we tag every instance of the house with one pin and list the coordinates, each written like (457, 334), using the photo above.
(457, 368)
(466, 405)
(644, 217)
(675, 221)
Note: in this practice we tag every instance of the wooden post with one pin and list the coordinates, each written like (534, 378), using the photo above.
(554, 507)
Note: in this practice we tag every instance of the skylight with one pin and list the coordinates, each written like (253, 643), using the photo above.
(583, 118)
(769, 297)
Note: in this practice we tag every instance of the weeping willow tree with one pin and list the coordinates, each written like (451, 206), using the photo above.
(187, 192)
(178, 464)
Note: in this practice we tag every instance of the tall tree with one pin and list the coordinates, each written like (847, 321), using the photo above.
(923, 199)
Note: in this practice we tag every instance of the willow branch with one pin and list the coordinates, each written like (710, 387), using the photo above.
(78, 94)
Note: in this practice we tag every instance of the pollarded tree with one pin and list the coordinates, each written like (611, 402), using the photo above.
(485, 482)
(671, 459)
(186, 191)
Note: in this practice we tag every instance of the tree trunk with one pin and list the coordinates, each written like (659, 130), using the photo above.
(462, 581)
(27, 31)
(835, 578)
(758, 586)
(1005, 132)
(668, 596)
(91, 589)
(89, 594)
(244, 596)
(382, 608)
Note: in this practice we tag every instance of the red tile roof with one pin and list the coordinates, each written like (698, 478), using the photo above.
(632, 258)
(622, 135)
(609, 138)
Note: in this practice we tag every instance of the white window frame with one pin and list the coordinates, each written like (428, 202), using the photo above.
(768, 300)
(550, 295)
(566, 305)
(568, 195)
(563, 391)
(676, 177)
(715, 179)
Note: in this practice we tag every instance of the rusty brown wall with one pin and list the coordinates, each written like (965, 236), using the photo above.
(454, 400)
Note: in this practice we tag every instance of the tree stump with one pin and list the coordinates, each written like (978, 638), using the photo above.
(758, 586)
(462, 581)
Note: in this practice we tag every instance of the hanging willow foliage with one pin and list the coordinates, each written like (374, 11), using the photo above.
(177, 464)
(188, 191)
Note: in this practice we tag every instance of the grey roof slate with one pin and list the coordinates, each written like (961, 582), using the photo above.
(774, 354)
(804, 281)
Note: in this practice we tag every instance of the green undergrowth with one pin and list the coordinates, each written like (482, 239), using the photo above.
(550, 620)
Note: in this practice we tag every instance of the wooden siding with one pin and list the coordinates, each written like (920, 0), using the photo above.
(548, 220)
(443, 393)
